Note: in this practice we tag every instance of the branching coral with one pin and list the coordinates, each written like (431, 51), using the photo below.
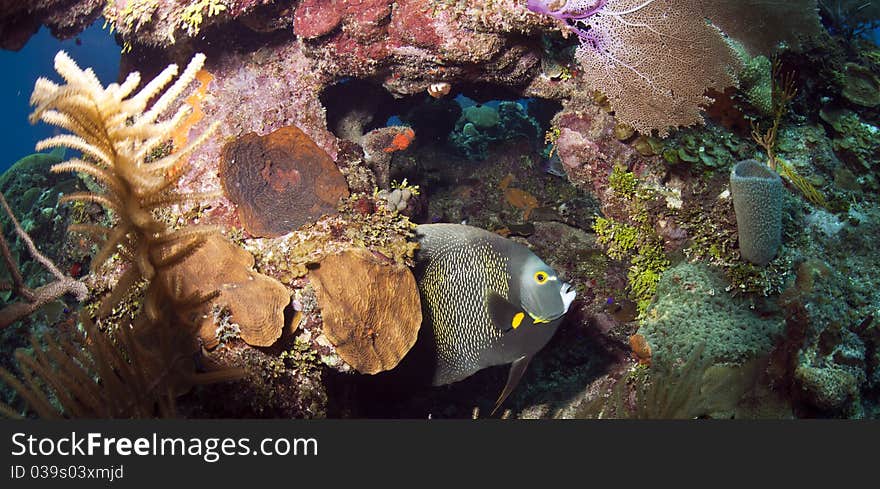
(784, 91)
(116, 133)
(103, 378)
(32, 299)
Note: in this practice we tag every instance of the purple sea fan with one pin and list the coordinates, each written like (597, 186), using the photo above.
(566, 9)
(655, 59)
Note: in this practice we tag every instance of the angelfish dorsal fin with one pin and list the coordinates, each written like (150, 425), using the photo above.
(517, 369)
(505, 316)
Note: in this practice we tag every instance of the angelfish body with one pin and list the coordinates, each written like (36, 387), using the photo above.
(488, 301)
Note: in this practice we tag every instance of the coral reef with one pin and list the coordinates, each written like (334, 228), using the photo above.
(251, 218)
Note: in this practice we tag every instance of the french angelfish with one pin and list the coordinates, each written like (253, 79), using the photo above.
(488, 301)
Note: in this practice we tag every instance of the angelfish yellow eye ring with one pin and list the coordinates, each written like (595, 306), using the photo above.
(541, 277)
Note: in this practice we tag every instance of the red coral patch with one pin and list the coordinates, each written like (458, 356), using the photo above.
(315, 18)
(411, 24)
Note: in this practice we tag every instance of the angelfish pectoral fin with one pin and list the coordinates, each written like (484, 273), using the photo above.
(505, 316)
(517, 369)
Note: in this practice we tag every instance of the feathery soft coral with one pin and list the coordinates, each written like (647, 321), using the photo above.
(116, 131)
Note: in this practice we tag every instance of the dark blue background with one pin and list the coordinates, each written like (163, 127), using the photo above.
(19, 70)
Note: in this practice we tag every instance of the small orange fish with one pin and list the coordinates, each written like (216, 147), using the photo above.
(401, 141)
(518, 197)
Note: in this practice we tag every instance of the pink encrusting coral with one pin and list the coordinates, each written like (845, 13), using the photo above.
(315, 18)
(588, 149)
(411, 44)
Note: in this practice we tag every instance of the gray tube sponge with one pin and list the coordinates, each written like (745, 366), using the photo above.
(757, 200)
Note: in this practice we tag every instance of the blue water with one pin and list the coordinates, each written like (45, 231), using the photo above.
(97, 49)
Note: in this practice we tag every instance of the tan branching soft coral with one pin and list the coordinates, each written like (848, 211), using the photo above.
(31, 300)
(115, 133)
(152, 357)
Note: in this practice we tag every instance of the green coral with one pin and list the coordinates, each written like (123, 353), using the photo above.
(636, 241)
(402, 185)
(693, 308)
(193, 15)
(482, 116)
(756, 82)
(707, 148)
(301, 357)
(618, 238)
(647, 267)
(623, 182)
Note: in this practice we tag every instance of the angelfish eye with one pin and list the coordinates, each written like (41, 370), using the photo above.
(541, 277)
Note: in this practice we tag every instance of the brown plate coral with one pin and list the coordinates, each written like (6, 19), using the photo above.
(255, 301)
(370, 307)
(279, 181)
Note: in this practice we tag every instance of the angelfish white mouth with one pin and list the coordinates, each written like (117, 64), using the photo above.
(568, 294)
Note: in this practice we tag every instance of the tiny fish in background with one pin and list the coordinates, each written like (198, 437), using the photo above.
(553, 165)
(488, 301)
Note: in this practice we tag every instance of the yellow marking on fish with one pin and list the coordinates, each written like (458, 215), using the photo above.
(538, 320)
(517, 319)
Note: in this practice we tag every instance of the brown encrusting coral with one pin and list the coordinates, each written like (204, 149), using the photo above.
(372, 324)
(255, 302)
(280, 181)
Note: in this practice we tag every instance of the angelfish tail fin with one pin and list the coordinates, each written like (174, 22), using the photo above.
(517, 369)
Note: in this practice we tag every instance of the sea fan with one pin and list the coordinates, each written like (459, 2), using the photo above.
(655, 59)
